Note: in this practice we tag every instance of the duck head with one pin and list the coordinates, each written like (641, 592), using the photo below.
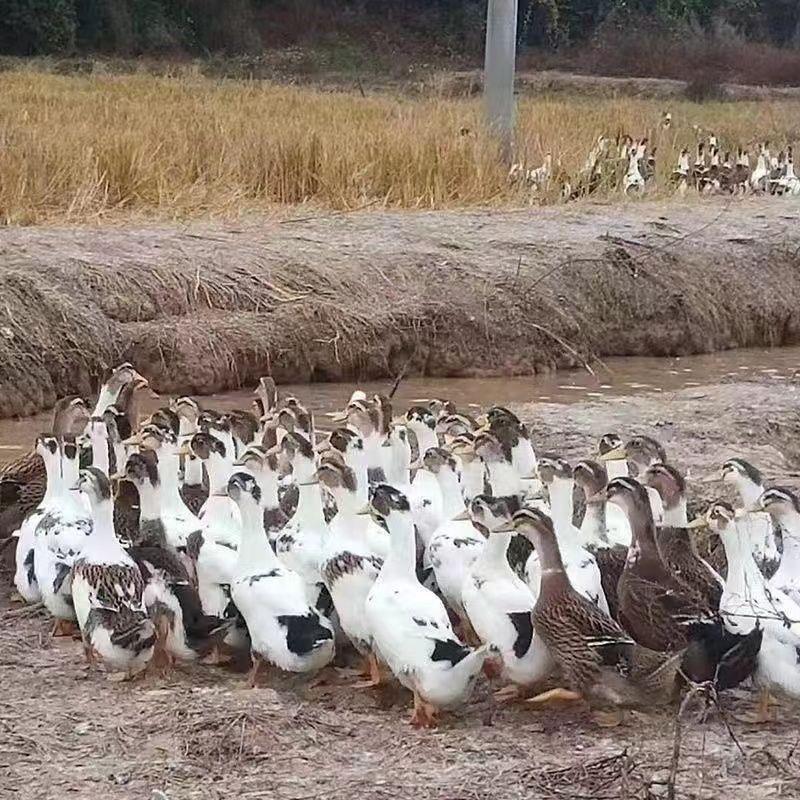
(781, 504)
(95, 485)
(385, 502)
(490, 513)
(141, 469)
(644, 451)
(451, 425)
(437, 459)
(204, 445)
(742, 474)
(668, 482)
(297, 455)
(70, 415)
(187, 408)
(243, 489)
(629, 495)
(553, 468)
(47, 446)
(592, 477)
(719, 518)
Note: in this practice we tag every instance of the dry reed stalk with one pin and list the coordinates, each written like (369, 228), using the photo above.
(73, 149)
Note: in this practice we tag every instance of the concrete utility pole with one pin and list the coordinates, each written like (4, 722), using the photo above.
(498, 77)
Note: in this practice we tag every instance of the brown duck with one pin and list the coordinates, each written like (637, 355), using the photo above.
(675, 544)
(663, 613)
(597, 659)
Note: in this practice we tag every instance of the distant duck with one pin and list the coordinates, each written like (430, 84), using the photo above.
(760, 175)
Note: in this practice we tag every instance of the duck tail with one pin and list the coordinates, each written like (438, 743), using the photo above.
(715, 655)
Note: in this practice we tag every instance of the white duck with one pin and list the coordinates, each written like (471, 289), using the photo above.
(784, 508)
(354, 553)
(499, 604)
(177, 520)
(107, 589)
(25, 573)
(60, 536)
(748, 600)
(285, 630)
(456, 543)
(579, 563)
(214, 546)
(302, 542)
(410, 627)
(757, 525)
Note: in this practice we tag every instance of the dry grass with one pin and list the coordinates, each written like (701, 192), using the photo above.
(76, 148)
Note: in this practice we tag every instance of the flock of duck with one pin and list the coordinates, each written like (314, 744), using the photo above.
(629, 166)
(437, 546)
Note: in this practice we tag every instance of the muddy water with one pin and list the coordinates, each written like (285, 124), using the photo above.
(615, 377)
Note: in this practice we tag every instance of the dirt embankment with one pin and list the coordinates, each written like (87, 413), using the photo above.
(335, 297)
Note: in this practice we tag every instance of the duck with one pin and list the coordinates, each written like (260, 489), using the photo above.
(107, 589)
(783, 506)
(596, 659)
(472, 470)
(456, 543)
(642, 452)
(680, 175)
(285, 629)
(118, 430)
(424, 486)
(214, 546)
(580, 563)
(355, 552)
(23, 481)
(676, 546)
(499, 604)
(59, 538)
(758, 178)
(302, 542)
(193, 490)
(749, 604)
(411, 630)
(429, 506)
(122, 378)
(515, 436)
(749, 484)
(592, 478)
(265, 466)
(177, 521)
(364, 417)
(265, 397)
(663, 613)
(48, 451)
(633, 182)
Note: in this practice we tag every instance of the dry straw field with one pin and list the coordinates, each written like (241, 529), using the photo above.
(79, 148)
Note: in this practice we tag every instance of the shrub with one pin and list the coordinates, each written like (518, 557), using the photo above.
(33, 27)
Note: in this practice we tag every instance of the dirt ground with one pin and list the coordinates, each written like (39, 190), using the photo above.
(324, 296)
(200, 733)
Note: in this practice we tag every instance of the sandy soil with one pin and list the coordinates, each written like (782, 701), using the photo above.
(322, 296)
(200, 733)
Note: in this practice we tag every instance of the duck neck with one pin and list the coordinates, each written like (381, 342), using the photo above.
(268, 483)
(503, 478)
(255, 552)
(494, 553)
(561, 513)
(168, 464)
(452, 499)
(401, 561)
(675, 515)
(70, 468)
(554, 577)
(593, 527)
(743, 573)
(219, 471)
(192, 471)
(103, 523)
(107, 397)
(749, 493)
(100, 451)
(149, 501)
(643, 530)
(309, 498)
(790, 560)
(617, 468)
(52, 468)
(426, 438)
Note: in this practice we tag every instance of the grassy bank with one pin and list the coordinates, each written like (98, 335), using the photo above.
(348, 297)
(90, 147)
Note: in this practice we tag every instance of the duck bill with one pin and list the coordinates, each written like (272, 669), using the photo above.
(337, 416)
(698, 524)
(133, 441)
(308, 483)
(364, 512)
(506, 528)
(617, 454)
(464, 515)
(219, 493)
(185, 451)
